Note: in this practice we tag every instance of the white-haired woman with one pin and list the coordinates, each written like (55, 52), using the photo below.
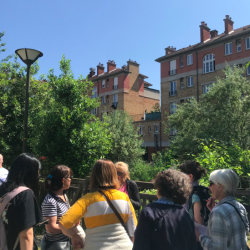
(228, 224)
(126, 185)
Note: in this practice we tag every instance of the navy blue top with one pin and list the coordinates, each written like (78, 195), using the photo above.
(174, 231)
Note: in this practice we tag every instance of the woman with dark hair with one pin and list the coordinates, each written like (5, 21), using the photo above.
(165, 224)
(105, 230)
(23, 212)
(54, 206)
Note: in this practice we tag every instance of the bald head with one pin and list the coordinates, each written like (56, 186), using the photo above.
(1, 161)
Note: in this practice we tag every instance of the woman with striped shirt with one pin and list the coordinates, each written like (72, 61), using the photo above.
(104, 229)
(54, 206)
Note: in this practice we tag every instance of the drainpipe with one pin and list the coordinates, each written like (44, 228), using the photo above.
(160, 137)
(197, 75)
(98, 96)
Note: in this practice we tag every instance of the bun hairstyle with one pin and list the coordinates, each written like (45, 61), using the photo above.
(53, 182)
(194, 168)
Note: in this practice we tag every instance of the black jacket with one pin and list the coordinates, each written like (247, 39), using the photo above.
(133, 194)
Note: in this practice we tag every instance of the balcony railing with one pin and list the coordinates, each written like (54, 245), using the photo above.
(173, 93)
(172, 72)
(115, 87)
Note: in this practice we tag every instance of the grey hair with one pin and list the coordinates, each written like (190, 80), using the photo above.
(226, 177)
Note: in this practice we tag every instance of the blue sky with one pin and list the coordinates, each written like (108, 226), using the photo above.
(93, 31)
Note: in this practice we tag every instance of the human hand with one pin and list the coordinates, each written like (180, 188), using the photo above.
(211, 204)
(77, 242)
(78, 223)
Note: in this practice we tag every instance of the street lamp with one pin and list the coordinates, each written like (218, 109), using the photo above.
(28, 56)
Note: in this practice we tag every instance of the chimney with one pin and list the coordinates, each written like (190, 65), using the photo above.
(111, 65)
(229, 24)
(92, 72)
(205, 32)
(100, 69)
(170, 50)
(213, 33)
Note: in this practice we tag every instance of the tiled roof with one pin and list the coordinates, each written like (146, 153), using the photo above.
(107, 74)
(147, 84)
(143, 76)
(221, 37)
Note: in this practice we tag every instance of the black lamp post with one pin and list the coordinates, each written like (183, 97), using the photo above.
(28, 56)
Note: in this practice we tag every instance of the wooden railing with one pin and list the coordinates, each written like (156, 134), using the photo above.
(80, 187)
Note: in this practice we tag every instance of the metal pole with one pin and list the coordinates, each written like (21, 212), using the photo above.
(25, 123)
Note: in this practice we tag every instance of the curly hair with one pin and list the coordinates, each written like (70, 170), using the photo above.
(173, 185)
(194, 168)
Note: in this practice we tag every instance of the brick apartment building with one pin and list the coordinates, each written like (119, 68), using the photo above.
(124, 89)
(188, 72)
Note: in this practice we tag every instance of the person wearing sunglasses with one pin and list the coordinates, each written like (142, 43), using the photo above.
(127, 186)
(54, 206)
(228, 224)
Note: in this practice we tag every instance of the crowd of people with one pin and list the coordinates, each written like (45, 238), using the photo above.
(185, 216)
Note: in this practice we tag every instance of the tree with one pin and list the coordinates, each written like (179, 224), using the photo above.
(222, 115)
(126, 143)
(156, 108)
(68, 133)
(2, 49)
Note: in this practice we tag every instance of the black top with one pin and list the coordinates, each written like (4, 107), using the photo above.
(165, 227)
(133, 193)
(22, 214)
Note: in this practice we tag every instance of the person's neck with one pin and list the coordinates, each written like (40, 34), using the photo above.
(221, 197)
(1, 166)
(59, 192)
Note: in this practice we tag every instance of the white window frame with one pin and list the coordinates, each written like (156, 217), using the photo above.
(115, 98)
(115, 82)
(208, 63)
(190, 81)
(181, 65)
(228, 48)
(248, 70)
(94, 111)
(140, 132)
(156, 129)
(172, 67)
(172, 88)
(103, 99)
(247, 42)
(103, 84)
(94, 92)
(190, 59)
(182, 83)
(173, 107)
(149, 129)
(238, 45)
(107, 99)
(205, 88)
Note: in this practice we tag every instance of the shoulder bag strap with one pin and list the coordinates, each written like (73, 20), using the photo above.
(235, 210)
(114, 210)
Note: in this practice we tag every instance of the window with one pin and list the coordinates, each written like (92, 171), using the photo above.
(181, 61)
(182, 83)
(156, 129)
(248, 42)
(248, 70)
(182, 101)
(189, 59)
(206, 88)
(172, 91)
(140, 132)
(173, 131)
(190, 81)
(238, 45)
(94, 93)
(107, 99)
(103, 99)
(228, 49)
(115, 98)
(103, 84)
(149, 129)
(116, 83)
(107, 82)
(172, 67)
(94, 111)
(173, 107)
(208, 63)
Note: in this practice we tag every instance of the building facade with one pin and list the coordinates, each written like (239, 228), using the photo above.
(188, 72)
(124, 89)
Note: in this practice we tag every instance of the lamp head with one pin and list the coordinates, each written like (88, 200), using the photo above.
(28, 56)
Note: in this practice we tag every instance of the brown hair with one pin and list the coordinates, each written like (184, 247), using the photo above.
(103, 175)
(53, 182)
(173, 185)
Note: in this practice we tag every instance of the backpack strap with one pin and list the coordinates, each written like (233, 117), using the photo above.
(9, 196)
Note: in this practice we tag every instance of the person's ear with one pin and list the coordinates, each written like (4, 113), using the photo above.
(63, 181)
(191, 177)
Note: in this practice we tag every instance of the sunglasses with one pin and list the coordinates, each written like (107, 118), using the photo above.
(119, 173)
(210, 183)
(69, 177)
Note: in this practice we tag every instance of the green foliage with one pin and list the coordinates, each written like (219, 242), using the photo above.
(69, 133)
(149, 191)
(156, 108)
(222, 115)
(2, 48)
(126, 143)
(215, 156)
(164, 159)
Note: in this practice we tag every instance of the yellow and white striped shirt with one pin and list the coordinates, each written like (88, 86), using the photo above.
(97, 212)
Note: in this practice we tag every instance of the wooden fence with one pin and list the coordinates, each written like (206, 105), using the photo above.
(80, 187)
